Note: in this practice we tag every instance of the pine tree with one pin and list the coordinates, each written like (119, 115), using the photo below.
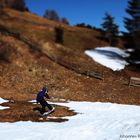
(110, 30)
(15, 4)
(65, 20)
(19, 5)
(132, 24)
(52, 15)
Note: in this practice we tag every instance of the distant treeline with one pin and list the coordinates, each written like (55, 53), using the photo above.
(84, 25)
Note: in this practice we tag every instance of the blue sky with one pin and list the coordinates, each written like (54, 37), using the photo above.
(87, 11)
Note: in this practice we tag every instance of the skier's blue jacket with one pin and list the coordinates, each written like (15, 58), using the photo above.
(42, 94)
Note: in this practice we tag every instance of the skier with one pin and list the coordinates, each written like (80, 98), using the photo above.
(41, 99)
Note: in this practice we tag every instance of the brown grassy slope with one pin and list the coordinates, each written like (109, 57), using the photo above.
(42, 29)
(29, 69)
(20, 79)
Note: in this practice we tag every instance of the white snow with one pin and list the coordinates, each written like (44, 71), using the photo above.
(94, 121)
(110, 57)
(3, 101)
(130, 50)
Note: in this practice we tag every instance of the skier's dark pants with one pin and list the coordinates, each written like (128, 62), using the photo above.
(44, 104)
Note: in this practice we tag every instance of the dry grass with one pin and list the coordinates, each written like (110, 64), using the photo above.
(29, 69)
(42, 30)
(23, 111)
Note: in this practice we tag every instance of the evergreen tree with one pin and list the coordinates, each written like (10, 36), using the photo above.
(19, 5)
(110, 30)
(132, 24)
(52, 15)
(81, 25)
(65, 21)
(15, 4)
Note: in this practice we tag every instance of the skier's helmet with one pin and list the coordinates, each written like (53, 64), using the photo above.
(44, 89)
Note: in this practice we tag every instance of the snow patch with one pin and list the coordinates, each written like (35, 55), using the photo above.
(110, 57)
(3, 101)
(94, 121)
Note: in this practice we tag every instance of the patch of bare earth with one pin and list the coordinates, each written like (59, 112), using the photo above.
(23, 111)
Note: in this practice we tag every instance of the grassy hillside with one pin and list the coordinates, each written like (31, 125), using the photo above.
(30, 58)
